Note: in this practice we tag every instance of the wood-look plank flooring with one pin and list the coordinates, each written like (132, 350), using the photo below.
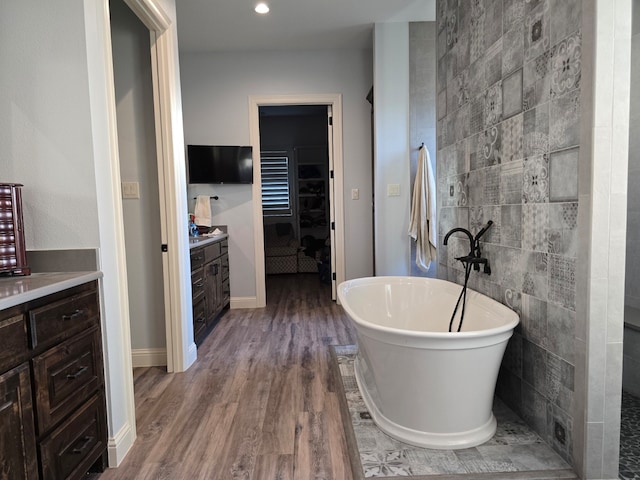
(259, 403)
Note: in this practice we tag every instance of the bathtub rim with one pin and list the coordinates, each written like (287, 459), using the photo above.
(509, 326)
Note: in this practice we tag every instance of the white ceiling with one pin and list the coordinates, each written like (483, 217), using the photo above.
(232, 25)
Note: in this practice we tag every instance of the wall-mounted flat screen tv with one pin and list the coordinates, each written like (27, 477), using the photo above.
(220, 164)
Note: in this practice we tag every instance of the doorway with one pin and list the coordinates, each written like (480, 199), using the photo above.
(333, 103)
(140, 185)
(296, 191)
(181, 351)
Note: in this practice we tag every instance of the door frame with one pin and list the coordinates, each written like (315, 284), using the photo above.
(181, 350)
(335, 101)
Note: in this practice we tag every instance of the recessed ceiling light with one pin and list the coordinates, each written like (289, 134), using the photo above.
(262, 8)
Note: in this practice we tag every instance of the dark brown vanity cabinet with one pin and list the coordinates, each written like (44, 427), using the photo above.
(17, 434)
(198, 291)
(52, 405)
(209, 286)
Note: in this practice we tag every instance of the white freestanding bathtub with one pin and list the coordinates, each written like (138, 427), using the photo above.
(422, 384)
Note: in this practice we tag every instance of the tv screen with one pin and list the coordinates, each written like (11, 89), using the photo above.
(220, 164)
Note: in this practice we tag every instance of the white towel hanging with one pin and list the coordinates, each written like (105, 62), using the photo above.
(422, 226)
(203, 211)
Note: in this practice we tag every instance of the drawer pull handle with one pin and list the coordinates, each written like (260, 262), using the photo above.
(197, 258)
(200, 284)
(86, 441)
(80, 371)
(200, 320)
(73, 316)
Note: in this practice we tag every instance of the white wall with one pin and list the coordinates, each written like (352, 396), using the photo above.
(391, 147)
(138, 163)
(45, 122)
(216, 87)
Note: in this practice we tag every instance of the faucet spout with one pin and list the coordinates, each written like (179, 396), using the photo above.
(474, 258)
(466, 232)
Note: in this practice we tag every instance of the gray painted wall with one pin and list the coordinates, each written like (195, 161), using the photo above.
(45, 122)
(215, 91)
(508, 123)
(138, 163)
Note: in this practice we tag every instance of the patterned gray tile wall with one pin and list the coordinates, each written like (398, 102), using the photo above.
(508, 100)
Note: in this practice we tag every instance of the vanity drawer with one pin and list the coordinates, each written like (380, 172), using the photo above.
(65, 376)
(57, 320)
(199, 316)
(197, 258)
(13, 341)
(226, 292)
(197, 285)
(225, 266)
(18, 456)
(76, 445)
(211, 252)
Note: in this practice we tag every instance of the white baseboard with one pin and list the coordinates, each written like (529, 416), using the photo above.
(149, 357)
(192, 354)
(243, 302)
(119, 445)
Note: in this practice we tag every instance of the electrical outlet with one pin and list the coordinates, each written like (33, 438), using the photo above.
(560, 433)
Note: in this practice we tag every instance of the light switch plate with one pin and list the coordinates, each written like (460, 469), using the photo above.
(130, 190)
(355, 193)
(393, 190)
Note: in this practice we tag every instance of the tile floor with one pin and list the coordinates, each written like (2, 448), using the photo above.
(514, 448)
(630, 438)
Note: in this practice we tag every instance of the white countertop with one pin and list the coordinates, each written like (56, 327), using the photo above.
(201, 241)
(20, 289)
